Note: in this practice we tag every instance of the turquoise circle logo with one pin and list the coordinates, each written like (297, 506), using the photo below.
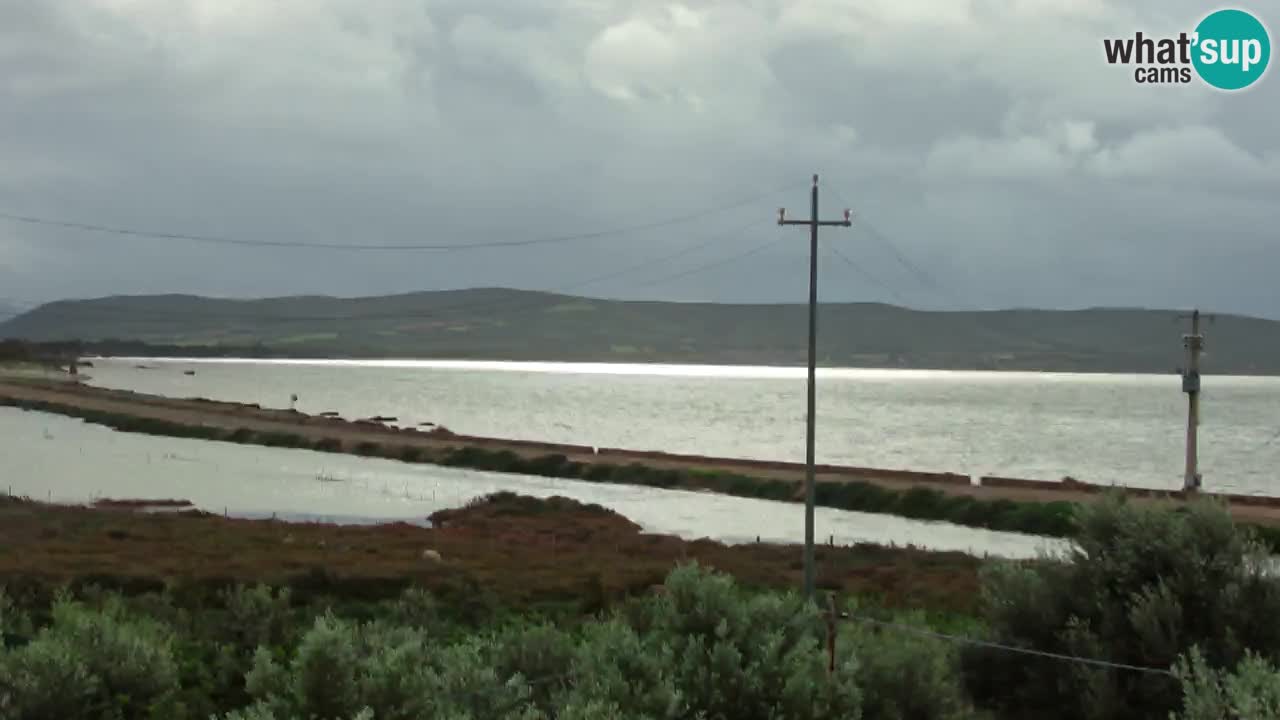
(1232, 49)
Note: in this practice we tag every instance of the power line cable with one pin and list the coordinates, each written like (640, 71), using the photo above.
(1004, 648)
(986, 320)
(666, 258)
(867, 276)
(715, 264)
(152, 313)
(922, 276)
(244, 242)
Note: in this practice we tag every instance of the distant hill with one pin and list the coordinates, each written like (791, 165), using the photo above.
(520, 325)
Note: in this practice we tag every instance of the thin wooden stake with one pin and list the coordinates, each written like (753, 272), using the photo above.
(831, 635)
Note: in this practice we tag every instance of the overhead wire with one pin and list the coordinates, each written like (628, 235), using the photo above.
(960, 639)
(567, 677)
(91, 307)
(297, 244)
(867, 276)
(922, 276)
(715, 264)
(958, 299)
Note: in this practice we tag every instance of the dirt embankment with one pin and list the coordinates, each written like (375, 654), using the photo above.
(356, 436)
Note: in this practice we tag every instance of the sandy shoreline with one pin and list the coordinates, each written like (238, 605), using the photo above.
(233, 416)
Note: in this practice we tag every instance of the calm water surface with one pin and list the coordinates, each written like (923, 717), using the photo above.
(1107, 429)
(62, 459)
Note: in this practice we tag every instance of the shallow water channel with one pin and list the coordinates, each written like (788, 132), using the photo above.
(51, 457)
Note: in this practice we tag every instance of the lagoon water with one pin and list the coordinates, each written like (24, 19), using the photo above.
(51, 457)
(1098, 428)
(1106, 429)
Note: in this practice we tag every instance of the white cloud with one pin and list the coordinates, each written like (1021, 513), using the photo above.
(534, 53)
(998, 159)
(709, 60)
(1194, 155)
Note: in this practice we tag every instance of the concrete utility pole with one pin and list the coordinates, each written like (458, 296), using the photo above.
(813, 222)
(1194, 343)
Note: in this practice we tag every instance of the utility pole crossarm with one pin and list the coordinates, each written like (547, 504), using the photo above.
(809, 488)
(846, 222)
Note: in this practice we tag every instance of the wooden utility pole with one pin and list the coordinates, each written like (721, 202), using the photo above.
(1194, 343)
(813, 222)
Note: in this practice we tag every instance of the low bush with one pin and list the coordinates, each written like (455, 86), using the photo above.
(554, 465)
(1142, 587)
(90, 663)
(15, 623)
(241, 435)
(281, 439)
(904, 675)
(1251, 691)
(704, 648)
(328, 445)
(367, 448)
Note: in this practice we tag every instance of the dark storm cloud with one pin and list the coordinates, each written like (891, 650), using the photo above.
(987, 140)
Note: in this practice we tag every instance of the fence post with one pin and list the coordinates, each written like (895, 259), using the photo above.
(831, 635)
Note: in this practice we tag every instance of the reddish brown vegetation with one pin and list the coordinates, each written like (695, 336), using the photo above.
(517, 550)
(131, 503)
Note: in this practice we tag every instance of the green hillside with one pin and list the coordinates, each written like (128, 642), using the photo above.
(519, 325)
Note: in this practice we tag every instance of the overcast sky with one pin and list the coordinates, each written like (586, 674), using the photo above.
(987, 141)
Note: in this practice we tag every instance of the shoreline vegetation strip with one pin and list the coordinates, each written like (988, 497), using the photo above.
(1051, 518)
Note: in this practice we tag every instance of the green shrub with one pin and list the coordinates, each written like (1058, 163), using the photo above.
(90, 663)
(341, 669)
(638, 474)
(599, 472)
(922, 503)
(408, 453)
(505, 461)
(273, 439)
(328, 445)
(368, 448)
(554, 465)
(1142, 586)
(1251, 692)
(241, 435)
(470, 457)
(257, 616)
(615, 669)
(540, 653)
(15, 623)
(705, 648)
(415, 608)
(903, 675)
